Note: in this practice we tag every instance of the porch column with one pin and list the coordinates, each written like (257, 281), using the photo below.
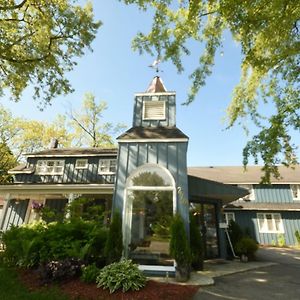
(71, 197)
(221, 232)
(7, 198)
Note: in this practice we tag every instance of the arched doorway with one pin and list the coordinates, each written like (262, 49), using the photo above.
(150, 203)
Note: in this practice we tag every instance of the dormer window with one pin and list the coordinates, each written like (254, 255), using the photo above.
(50, 167)
(107, 166)
(154, 110)
(81, 164)
(295, 188)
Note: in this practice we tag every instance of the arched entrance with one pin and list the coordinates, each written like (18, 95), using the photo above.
(150, 203)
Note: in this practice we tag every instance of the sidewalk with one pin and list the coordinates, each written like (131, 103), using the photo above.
(216, 268)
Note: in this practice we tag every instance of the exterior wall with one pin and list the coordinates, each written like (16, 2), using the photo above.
(172, 156)
(290, 219)
(70, 174)
(277, 193)
(170, 120)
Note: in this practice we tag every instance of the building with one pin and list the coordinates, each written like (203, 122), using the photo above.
(270, 213)
(145, 179)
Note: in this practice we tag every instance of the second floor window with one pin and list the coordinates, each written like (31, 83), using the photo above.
(107, 166)
(81, 164)
(295, 188)
(50, 167)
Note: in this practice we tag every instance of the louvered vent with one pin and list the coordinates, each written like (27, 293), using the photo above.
(154, 110)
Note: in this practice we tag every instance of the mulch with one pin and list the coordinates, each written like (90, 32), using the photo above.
(76, 289)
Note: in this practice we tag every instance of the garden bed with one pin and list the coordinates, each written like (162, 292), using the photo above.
(76, 289)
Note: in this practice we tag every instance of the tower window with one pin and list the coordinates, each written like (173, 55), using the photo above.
(154, 110)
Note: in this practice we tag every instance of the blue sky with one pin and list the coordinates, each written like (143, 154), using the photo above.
(114, 73)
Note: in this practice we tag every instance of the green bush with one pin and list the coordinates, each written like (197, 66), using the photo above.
(297, 234)
(179, 248)
(235, 232)
(90, 273)
(121, 275)
(196, 245)
(246, 246)
(114, 243)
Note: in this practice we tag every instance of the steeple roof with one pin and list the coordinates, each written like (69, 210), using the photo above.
(156, 86)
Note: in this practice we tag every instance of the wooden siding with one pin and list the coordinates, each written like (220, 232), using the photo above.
(170, 112)
(171, 156)
(291, 223)
(277, 193)
(15, 214)
(70, 173)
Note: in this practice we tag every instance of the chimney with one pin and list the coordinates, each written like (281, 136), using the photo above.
(53, 143)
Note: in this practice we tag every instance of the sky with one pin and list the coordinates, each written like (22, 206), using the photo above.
(114, 73)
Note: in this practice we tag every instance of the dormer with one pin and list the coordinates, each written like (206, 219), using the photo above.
(155, 107)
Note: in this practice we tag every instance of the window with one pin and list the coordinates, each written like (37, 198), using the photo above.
(295, 188)
(228, 216)
(50, 167)
(81, 164)
(107, 166)
(270, 223)
(248, 187)
(154, 110)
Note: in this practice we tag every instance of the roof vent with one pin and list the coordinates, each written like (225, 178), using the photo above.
(53, 143)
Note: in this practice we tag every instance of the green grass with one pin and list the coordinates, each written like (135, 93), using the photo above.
(12, 289)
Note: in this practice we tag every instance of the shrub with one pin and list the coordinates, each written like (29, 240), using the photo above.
(281, 240)
(297, 234)
(114, 243)
(246, 246)
(235, 232)
(121, 275)
(179, 248)
(196, 245)
(90, 273)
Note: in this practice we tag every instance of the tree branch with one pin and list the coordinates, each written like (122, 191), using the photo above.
(17, 6)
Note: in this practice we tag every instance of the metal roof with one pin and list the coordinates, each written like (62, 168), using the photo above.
(237, 174)
(250, 205)
(156, 86)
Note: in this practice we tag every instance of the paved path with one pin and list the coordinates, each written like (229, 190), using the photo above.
(280, 281)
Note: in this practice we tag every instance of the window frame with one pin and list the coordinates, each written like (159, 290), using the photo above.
(297, 187)
(81, 160)
(153, 118)
(108, 171)
(43, 169)
(226, 219)
(263, 225)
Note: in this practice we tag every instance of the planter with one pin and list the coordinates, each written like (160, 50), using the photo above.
(244, 258)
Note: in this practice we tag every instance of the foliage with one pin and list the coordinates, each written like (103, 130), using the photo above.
(7, 161)
(90, 273)
(60, 270)
(11, 288)
(196, 245)
(235, 232)
(268, 33)
(179, 244)
(87, 126)
(40, 243)
(114, 243)
(246, 246)
(39, 42)
(121, 275)
(297, 234)
(281, 240)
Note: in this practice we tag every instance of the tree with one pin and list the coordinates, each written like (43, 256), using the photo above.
(39, 42)
(7, 161)
(87, 126)
(269, 35)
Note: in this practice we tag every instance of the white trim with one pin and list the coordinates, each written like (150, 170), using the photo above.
(43, 169)
(226, 219)
(263, 228)
(160, 107)
(155, 94)
(107, 172)
(297, 189)
(70, 155)
(85, 160)
(171, 140)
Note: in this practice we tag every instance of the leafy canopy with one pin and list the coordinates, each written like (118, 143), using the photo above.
(269, 35)
(39, 41)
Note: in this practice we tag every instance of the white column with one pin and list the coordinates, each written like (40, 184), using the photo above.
(71, 197)
(7, 197)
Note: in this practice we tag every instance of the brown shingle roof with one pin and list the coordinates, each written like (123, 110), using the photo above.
(22, 168)
(74, 152)
(237, 175)
(153, 133)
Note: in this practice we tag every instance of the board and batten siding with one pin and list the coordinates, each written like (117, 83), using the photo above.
(277, 193)
(170, 119)
(70, 173)
(290, 219)
(171, 156)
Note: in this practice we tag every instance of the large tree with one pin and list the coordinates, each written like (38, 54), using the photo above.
(39, 42)
(269, 35)
(7, 161)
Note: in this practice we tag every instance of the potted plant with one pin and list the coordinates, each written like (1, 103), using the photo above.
(179, 249)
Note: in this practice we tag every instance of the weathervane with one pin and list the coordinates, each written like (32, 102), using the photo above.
(155, 65)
